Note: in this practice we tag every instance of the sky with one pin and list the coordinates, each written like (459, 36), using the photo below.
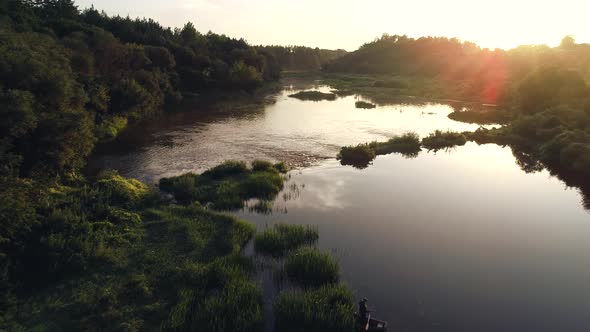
(348, 24)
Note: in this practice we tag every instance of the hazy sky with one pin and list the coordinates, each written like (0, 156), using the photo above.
(350, 23)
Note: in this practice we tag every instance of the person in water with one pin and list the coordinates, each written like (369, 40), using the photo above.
(363, 311)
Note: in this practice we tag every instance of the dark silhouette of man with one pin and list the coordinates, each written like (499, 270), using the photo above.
(363, 311)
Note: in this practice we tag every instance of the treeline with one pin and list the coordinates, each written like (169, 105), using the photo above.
(301, 58)
(71, 78)
(108, 253)
(487, 75)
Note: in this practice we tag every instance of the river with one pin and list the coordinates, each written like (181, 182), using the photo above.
(458, 240)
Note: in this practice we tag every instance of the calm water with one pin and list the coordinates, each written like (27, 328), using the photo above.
(462, 240)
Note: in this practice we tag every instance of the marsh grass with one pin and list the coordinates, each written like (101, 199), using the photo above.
(326, 309)
(360, 156)
(443, 140)
(313, 96)
(281, 239)
(228, 185)
(309, 267)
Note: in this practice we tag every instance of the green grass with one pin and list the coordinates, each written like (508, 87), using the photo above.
(313, 96)
(443, 140)
(326, 309)
(228, 185)
(282, 239)
(309, 267)
(364, 105)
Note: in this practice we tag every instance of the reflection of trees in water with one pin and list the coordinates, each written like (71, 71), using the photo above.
(529, 163)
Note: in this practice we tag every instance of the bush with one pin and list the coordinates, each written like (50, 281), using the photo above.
(326, 309)
(442, 140)
(281, 239)
(310, 267)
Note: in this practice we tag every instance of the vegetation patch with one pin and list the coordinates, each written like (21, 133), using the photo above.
(313, 96)
(228, 185)
(328, 308)
(282, 239)
(481, 117)
(395, 84)
(310, 267)
(360, 156)
(111, 264)
(364, 104)
(443, 140)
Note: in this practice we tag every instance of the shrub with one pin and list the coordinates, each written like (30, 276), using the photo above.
(281, 239)
(310, 267)
(326, 309)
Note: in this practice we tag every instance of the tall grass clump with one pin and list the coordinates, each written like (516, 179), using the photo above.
(326, 309)
(310, 267)
(442, 140)
(282, 239)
